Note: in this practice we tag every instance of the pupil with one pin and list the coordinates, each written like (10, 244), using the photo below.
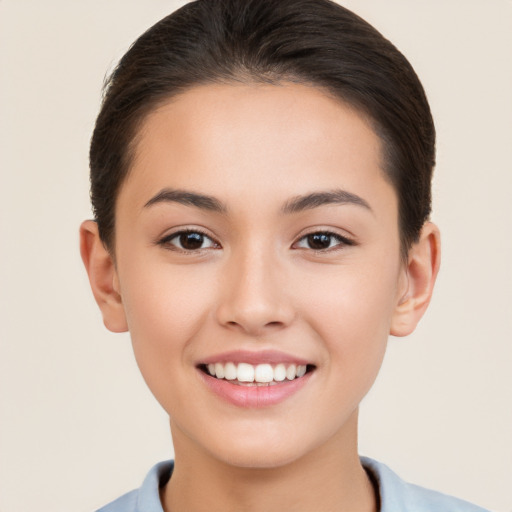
(191, 240)
(319, 241)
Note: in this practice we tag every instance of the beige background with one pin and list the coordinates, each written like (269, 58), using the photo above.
(77, 425)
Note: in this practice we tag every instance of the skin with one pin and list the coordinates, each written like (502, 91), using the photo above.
(256, 283)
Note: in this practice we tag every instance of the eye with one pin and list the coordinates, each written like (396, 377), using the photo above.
(322, 241)
(188, 241)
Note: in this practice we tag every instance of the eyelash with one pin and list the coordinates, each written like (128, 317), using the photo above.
(167, 241)
(342, 241)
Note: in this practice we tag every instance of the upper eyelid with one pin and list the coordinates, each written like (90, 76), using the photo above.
(344, 237)
(186, 229)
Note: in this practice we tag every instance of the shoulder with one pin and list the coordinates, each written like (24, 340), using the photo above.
(147, 497)
(399, 496)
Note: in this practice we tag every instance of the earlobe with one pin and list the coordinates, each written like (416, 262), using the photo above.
(103, 277)
(420, 274)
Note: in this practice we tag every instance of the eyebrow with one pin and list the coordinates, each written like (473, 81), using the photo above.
(294, 205)
(204, 202)
(316, 199)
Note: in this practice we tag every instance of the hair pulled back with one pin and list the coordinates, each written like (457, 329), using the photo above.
(316, 42)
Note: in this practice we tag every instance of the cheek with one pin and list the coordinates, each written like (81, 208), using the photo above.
(357, 298)
(165, 310)
(350, 309)
(160, 296)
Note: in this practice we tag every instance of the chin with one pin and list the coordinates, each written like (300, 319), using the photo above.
(264, 451)
(260, 459)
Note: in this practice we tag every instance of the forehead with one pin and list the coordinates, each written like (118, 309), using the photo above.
(236, 140)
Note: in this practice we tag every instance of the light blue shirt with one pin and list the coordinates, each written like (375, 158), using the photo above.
(395, 494)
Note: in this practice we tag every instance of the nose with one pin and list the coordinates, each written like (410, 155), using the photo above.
(254, 298)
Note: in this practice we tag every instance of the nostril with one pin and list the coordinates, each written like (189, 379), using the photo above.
(268, 324)
(253, 318)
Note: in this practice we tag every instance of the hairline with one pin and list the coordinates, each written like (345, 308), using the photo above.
(241, 76)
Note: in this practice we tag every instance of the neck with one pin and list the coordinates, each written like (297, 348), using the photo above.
(329, 478)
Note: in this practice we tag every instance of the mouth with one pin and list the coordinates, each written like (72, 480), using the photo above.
(248, 379)
(256, 375)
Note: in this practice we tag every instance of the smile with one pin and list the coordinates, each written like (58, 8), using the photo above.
(246, 374)
(254, 380)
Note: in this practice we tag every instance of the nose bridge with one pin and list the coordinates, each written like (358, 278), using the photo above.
(254, 299)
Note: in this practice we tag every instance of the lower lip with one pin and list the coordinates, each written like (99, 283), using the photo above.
(254, 396)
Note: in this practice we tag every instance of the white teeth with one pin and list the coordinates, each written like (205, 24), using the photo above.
(244, 372)
(230, 371)
(264, 373)
(261, 374)
(291, 372)
(219, 370)
(280, 372)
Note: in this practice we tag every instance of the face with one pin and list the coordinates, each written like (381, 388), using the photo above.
(257, 238)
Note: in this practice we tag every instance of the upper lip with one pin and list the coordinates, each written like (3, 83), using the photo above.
(254, 357)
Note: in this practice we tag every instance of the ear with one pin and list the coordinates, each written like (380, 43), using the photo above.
(419, 277)
(102, 277)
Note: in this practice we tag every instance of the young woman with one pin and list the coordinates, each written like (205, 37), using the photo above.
(260, 178)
